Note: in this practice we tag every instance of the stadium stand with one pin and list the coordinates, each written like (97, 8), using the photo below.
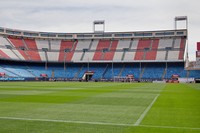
(108, 55)
(151, 53)
(142, 47)
(123, 44)
(102, 48)
(32, 49)
(67, 50)
(145, 55)
(153, 70)
(82, 46)
(3, 55)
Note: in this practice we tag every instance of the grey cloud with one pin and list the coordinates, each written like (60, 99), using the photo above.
(77, 15)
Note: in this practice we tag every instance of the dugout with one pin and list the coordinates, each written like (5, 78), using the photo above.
(197, 80)
(87, 75)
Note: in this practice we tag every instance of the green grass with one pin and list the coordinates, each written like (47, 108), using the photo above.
(75, 107)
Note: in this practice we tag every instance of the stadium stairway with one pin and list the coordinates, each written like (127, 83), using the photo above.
(78, 72)
(141, 74)
(122, 69)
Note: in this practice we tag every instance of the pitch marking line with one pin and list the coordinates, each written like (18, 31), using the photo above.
(94, 123)
(64, 121)
(137, 123)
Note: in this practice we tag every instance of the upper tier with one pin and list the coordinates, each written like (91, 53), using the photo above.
(151, 46)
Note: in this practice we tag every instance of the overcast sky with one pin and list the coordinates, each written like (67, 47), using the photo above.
(70, 16)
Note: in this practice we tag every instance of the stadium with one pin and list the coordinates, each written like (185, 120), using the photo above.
(98, 82)
(100, 56)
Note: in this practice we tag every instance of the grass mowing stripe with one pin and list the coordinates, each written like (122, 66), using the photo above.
(96, 123)
(146, 111)
(105, 108)
(172, 127)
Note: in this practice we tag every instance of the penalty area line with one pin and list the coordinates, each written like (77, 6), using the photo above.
(65, 121)
(137, 123)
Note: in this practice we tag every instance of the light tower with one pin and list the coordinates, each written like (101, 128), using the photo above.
(183, 18)
(99, 26)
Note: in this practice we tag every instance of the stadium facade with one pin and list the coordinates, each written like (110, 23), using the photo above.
(140, 56)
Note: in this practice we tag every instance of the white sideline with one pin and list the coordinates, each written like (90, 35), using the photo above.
(65, 121)
(94, 123)
(137, 123)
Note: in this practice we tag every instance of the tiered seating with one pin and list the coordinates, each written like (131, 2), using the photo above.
(103, 44)
(72, 70)
(11, 54)
(55, 45)
(19, 55)
(53, 56)
(15, 70)
(113, 71)
(3, 55)
(67, 50)
(134, 44)
(110, 54)
(20, 71)
(129, 53)
(18, 43)
(32, 49)
(98, 70)
(82, 70)
(173, 55)
(39, 69)
(118, 56)
(132, 69)
(40, 45)
(8, 73)
(81, 45)
(89, 55)
(194, 74)
(123, 44)
(165, 42)
(140, 49)
(105, 50)
(182, 49)
(4, 42)
(178, 52)
(160, 56)
(53, 53)
(177, 42)
(129, 56)
(7, 53)
(77, 56)
(151, 54)
(101, 70)
(153, 70)
(175, 68)
(142, 45)
(69, 72)
(42, 56)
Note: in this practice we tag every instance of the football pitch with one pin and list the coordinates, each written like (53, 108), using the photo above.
(77, 107)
